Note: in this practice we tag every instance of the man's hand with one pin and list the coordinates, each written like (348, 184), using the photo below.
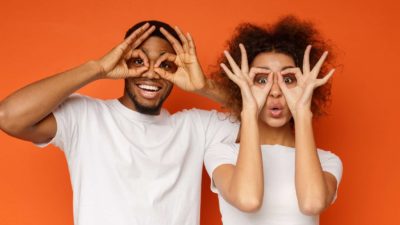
(114, 64)
(189, 75)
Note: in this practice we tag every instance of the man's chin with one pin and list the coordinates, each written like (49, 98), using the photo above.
(147, 109)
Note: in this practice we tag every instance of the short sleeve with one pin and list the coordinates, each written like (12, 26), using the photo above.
(68, 115)
(219, 127)
(332, 164)
(217, 155)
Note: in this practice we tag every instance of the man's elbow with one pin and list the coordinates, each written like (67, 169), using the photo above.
(6, 124)
(3, 119)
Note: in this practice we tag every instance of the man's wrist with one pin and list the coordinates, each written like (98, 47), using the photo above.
(98, 70)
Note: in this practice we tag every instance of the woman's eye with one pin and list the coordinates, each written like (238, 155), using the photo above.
(289, 79)
(261, 79)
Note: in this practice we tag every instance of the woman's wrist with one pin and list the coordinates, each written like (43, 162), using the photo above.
(303, 114)
(249, 113)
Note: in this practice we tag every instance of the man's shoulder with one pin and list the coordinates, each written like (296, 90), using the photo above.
(205, 116)
(205, 112)
(80, 99)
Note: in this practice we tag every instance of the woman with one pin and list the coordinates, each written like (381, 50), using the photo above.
(294, 182)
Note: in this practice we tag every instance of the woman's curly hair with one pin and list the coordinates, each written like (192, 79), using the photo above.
(289, 36)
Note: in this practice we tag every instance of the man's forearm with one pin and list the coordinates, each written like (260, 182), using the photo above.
(212, 91)
(29, 105)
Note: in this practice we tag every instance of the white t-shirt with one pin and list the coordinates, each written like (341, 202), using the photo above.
(280, 205)
(129, 168)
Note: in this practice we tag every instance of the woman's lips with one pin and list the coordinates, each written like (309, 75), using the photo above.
(276, 112)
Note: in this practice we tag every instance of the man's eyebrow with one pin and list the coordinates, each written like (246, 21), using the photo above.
(161, 53)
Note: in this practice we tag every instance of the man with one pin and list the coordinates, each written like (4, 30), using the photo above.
(130, 161)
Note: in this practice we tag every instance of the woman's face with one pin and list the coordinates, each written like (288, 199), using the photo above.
(275, 112)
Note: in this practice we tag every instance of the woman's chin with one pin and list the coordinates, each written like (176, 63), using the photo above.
(276, 122)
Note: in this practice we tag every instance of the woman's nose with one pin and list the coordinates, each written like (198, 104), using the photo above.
(276, 91)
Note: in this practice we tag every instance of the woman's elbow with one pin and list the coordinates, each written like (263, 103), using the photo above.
(249, 203)
(312, 208)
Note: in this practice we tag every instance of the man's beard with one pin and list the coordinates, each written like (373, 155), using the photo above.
(149, 110)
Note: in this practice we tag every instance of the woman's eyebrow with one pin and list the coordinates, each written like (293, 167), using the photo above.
(263, 67)
(287, 67)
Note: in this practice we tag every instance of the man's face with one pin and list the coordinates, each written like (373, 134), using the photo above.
(148, 91)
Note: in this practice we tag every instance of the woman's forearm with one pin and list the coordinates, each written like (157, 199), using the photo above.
(310, 183)
(247, 184)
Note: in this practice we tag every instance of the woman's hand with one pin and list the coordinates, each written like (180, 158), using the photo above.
(254, 84)
(114, 64)
(188, 75)
(298, 86)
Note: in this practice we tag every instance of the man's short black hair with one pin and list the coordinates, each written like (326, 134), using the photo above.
(156, 32)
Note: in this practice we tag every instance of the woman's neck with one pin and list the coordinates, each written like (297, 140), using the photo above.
(276, 135)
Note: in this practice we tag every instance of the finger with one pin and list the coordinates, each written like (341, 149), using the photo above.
(244, 61)
(134, 34)
(270, 81)
(318, 66)
(175, 43)
(137, 53)
(257, 70)
(143, 56)
(229, 73)
(295, 70)
(183, 39)
(165, 57)
(137, 71)
(326, 78)
(143, 37)
(192, 46)
(232, 63)
(306, 59)
(282, 84)
(165, 74)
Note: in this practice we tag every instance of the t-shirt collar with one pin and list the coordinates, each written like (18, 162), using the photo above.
(134, 115)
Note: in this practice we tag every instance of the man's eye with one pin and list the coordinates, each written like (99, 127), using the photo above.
(167, 65)
(135, 62)
(138, 61)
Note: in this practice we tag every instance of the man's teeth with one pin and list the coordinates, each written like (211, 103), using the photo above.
(148, 87)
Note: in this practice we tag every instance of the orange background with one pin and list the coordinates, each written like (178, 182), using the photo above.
(40, 38)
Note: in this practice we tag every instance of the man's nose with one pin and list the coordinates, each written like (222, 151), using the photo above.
(150, 73)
